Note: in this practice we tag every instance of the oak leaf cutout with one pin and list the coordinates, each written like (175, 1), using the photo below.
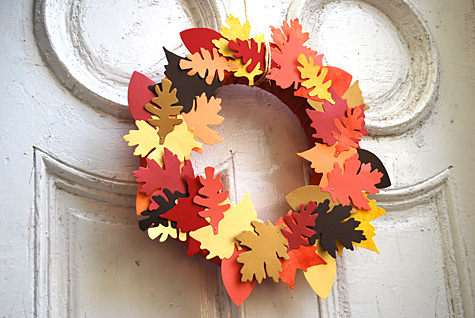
(347, 184)
(249, 50)
(335, 225)
(170, 175)
(162, 119)
(267, 245)
(315, 76)
(281, 36)
(300, 226)
(211, 196)
(164, 232)
(165, 202)
(204, 114)
(236, 220)
(206, 66)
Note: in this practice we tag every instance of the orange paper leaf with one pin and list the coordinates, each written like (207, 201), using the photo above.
(301, 258)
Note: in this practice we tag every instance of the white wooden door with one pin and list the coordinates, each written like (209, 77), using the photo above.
(69, 242)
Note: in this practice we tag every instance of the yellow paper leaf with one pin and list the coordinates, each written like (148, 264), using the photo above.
(322, 277)
(237, 219)
(310, 71)
(163, 231)
(366, 216)
(236, 30)
(145, 138)
(222, 45)
(323, 160)
(354, 96)
(308, 193)
(241, 71)
(205, 113)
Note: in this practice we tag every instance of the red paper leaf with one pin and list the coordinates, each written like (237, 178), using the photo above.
(281, 36)
(185, 213)
(193, 246)
(254, 51)
(351, 129)
(323, 122)
(301, 258)
(197, 38)
(211, 195)
(285, 73)
(139, 95)
(349, 184)
(156, 178)
(231, 275)
(300, 226)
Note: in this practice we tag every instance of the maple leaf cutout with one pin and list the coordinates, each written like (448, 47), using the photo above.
(170, 176)
(235, 31)
(315, 76)
(236, 220)
(349, 184)
(249, 50)
(162, 119)
(266, 247)
(281, 36)
(211, 196)
(351, 130)
(324, 122)
(207, 66)
(205, 113)
(300, 225)
(335, 225)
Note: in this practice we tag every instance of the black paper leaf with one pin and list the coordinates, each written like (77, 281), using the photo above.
(154, 216)
(366, 156)
(188, 87)
(330, 227)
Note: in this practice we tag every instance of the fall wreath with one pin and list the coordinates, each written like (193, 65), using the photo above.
(172, 116)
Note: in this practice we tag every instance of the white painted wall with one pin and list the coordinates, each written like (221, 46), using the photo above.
(69, 244)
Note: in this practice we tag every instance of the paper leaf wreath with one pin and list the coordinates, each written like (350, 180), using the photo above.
(330, 214)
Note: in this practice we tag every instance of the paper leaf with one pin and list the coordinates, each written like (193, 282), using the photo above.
(340, 79)
(323, 122)
(203, 114)
(241, 70)
(286, 73)
(300, 225)
(180, 141)
(236, 220)
(155, 177)
(211, 196)
(354, 96)
(163, 231)
(165, 115)
(334, 225)
(349, 184)
(154, 217)
(139, 95)
(301, 258)
(236, 30)
(364, 217)
(267, 246)
(185, 213)
(315, 76)
(306, 194)
(351, 129)
(323, 160)
(321, 277)
(280, 36)
(366, 156)
(206, 66)
(197, 38)
(188, 87)
(237, 290)
(145, 138)
(249, 50)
